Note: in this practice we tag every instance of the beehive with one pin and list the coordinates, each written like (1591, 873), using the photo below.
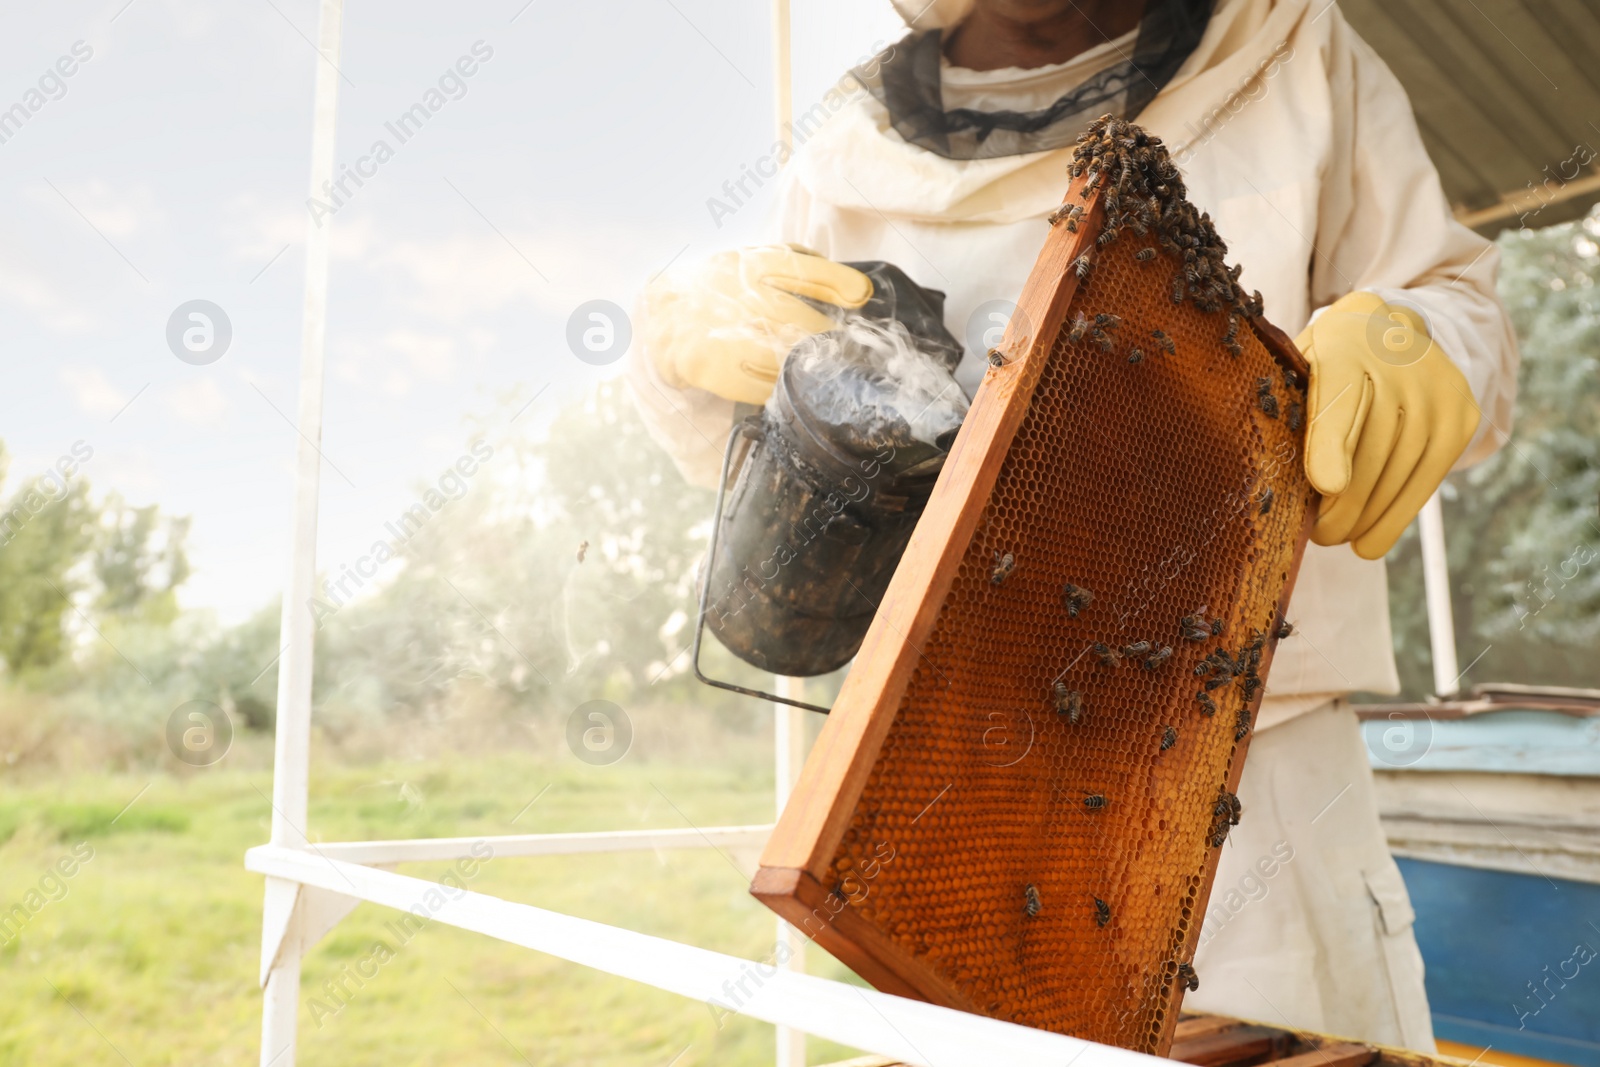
(1015, 808)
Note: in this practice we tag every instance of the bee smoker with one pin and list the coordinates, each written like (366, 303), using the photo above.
(827, 483)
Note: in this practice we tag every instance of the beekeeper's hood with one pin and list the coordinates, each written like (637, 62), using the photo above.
(908, 80)
(935, 142)
(932, 14)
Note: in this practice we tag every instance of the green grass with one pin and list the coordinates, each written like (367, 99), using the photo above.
(150, 950)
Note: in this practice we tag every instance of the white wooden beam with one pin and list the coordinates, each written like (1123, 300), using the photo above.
(910, 1031)
(416, 850)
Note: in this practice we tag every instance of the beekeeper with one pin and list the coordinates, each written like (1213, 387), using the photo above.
(1301, 144)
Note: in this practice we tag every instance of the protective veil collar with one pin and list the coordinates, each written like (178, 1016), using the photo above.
(905, 79)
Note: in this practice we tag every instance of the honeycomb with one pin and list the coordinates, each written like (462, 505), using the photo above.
(1053, 787)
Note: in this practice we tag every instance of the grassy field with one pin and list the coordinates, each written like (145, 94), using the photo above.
(148, 952)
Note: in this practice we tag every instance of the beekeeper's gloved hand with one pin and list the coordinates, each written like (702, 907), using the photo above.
(1390, 414)
(726, 325)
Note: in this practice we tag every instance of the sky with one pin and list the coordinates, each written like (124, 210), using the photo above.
(172, 165)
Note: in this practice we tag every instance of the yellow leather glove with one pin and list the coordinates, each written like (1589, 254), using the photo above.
(1390, 415)
(726, 325)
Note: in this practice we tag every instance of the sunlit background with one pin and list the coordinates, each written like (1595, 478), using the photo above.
(578, 160)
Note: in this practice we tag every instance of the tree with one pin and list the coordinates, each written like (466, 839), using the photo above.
(1523, 528)
(567, 572)
(139, 561)
(45, 529)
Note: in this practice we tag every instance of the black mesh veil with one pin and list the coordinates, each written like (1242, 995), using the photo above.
(905, 79)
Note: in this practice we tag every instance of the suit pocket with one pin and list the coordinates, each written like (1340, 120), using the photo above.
(1401, 961)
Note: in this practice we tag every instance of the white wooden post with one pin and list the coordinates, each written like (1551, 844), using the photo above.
(1436, 586)
(789, 750)
(291, 760)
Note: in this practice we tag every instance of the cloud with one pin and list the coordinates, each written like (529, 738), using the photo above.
(460, 277)
(117, 213)
(92, 391)
(26, 287)
(254, 233)
(198, 402)
(430, 355)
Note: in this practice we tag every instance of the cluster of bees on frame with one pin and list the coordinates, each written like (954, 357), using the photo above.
(1146, 197)
(1220, 668)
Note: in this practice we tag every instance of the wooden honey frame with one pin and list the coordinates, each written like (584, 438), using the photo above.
(792, 879)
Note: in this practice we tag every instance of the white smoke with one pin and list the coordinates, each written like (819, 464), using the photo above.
(913, 386)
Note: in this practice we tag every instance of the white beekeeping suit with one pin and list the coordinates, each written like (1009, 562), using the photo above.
(1300, 143)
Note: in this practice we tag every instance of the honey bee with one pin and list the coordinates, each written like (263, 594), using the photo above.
(1003, 566)
(1208, 707)
(1169, 737)
(1285, 628)
(1102, 912)
(1242, 724)
(1076, 598)
(1234, 350)
(1080, 326)
(1268, 404)
(1145, 255)
(1102, 340)
(1138, 648)
(1107, 321)
(1193, 627)
(1296, 416)
(1232, 333)
(1069, 702)
(1187, 978)
(1107, 235)
(1225, 813)
(1157, 658)
(1216, 627)
(1265, 499)
(1135, 355)
(1177, 289)
(1165, 342)
(1095, 801)
(1083, 265)
(1071, 213)
(995, 358)
(1031, 905)
(1109, 657)
(1291, 380)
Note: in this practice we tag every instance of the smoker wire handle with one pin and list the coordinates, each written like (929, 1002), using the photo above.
(748, 428)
